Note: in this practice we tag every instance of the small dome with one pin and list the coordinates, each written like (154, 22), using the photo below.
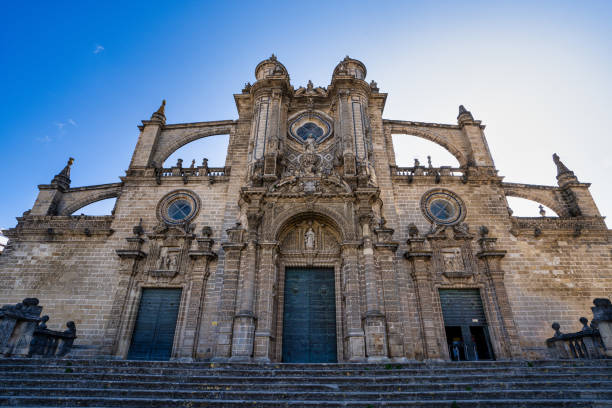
(270, 67)
(352, 67)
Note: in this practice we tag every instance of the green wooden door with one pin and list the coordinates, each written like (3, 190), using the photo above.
(155, 325)
(309, 318)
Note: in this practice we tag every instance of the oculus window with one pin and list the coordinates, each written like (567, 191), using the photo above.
(443, 207)
(178, 207)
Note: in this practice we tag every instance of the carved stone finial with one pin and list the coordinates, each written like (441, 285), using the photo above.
(556, 326)
(465, 116)
(272, 57)
(62, 179)
(162, 108)
(206, 231)
(413, 230)
(585, 323)
(537, 231)
(309, 86)
(542, 210)
(429, 162)
(160, 113)
(417, 163)
(562, 169)
(138, 230)
(382, 222)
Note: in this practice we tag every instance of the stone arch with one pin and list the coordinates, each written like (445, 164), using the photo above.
(285, 219)
(439, 139)
(95, 196)
(171, 142)
(545, 197)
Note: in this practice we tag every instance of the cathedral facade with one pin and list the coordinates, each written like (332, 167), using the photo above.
(310, 244)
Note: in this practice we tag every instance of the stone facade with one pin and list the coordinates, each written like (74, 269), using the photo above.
(310, 180)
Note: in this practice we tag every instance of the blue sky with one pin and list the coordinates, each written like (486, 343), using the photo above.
(78, 77)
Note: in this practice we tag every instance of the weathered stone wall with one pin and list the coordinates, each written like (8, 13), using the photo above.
(531, 271)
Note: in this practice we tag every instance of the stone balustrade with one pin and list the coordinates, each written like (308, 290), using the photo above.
(443, 171)
(24, 333)
(588, 343)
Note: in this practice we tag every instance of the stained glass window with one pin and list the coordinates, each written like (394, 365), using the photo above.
(442, 209)
(309, 129)
(179, 210)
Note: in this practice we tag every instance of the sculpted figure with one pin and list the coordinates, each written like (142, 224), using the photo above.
(309, 238)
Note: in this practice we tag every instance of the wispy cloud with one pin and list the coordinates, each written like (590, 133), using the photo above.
(44, 139)
(98, 49)
(62, 125)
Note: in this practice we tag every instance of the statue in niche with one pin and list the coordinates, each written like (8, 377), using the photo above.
(309, 237)
(172, 262)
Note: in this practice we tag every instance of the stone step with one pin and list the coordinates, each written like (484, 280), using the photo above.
(278, 385)
(252, 395)
(583, 378)
(178, 371)
(290, 366)
(96, 402)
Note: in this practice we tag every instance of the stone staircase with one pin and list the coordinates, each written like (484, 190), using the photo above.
(110, 383)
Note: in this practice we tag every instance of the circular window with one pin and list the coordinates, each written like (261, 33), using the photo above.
(178, 207)
(443, 207)
(179, 210)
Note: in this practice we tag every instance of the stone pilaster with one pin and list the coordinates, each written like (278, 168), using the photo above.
(374, 320)
(510, 344)
(354, 335)
(420, 257)
(244, 320)
(265, 302)
(201, 255)
(385, 254)
(113, 346)
(227, 311)
(346, 132)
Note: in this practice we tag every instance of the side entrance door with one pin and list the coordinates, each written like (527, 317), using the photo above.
(155, 325)
(465, 323)
(309, 316)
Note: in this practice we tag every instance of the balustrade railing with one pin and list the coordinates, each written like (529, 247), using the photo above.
(193, 171)
(427, 171)
(585, 344)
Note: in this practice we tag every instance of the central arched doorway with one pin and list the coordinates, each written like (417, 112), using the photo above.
(309, 308)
